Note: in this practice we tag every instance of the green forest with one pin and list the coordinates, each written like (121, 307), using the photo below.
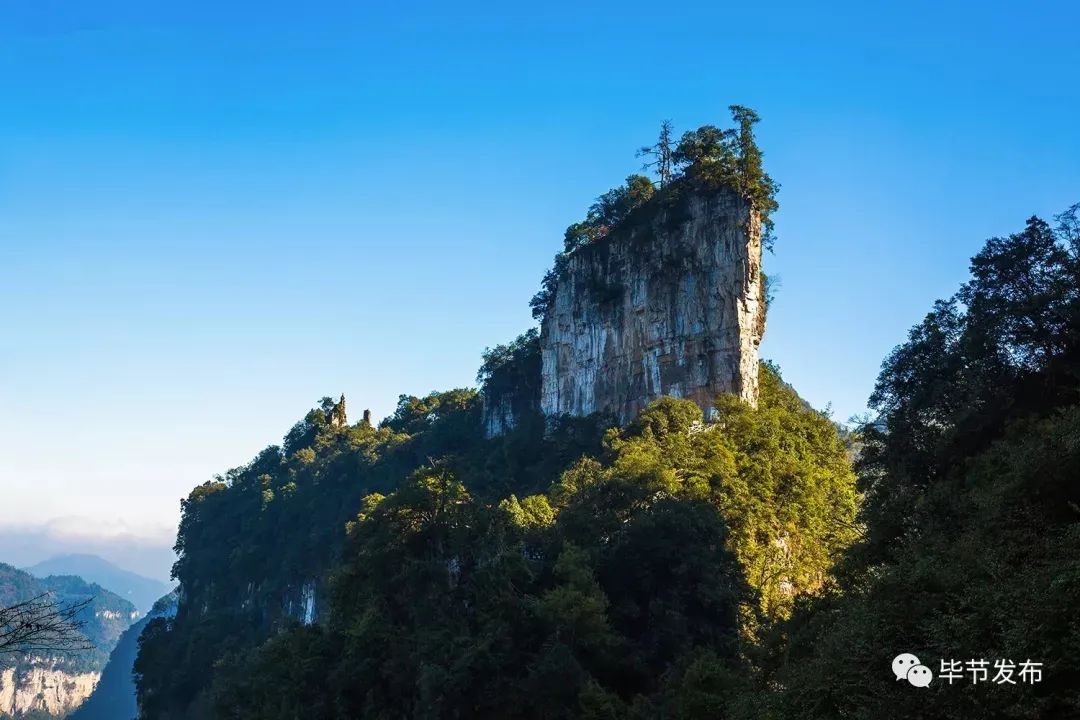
(102, 617)
(766, 563)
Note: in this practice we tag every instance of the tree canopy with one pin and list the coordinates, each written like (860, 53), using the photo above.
(971, 471)
(627, 585)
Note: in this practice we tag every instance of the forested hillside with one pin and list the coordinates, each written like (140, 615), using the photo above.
(971, 476)
(105, 616)
(442, 566)
(258, 545)
(47, 684)
(648, 561)
(564, 566)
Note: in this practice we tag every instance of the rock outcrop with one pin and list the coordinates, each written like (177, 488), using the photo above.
(671, 305)
(497, 413)
(510, 388)
(44, 689)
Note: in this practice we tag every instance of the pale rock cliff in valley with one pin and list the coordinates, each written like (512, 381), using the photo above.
(672, 306)
(44, 689)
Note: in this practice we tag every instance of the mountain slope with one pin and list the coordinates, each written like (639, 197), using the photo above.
(56, 684)
(141, 591)
(114, 696)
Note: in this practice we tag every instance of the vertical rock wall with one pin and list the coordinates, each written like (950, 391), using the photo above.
(672, 306)
(497, 414)
(44, 689)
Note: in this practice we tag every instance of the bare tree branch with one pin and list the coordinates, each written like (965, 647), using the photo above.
(43, 625)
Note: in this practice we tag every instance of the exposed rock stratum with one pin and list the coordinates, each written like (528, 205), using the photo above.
(672, 306)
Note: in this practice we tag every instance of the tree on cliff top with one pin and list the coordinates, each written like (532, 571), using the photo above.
(661, 154)
(625, 589)
(733, 159)
(709, 156)
(609, 211)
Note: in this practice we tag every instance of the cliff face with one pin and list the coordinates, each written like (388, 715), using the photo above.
(497, 413)
(672, 306)
(114, 696)
(510, 384)
(45, 689)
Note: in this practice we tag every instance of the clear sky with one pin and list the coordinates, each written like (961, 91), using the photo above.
(212, 214)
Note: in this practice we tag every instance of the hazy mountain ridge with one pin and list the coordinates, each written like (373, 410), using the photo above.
(149, 555)
(141, 591)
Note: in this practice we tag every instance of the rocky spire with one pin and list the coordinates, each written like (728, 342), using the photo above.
(670, 307)
(338, 417)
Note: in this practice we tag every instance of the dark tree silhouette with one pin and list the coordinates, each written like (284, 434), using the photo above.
(41, 624)
(660, 154)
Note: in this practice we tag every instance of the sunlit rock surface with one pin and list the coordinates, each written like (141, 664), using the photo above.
(50, 690)
(673, 306)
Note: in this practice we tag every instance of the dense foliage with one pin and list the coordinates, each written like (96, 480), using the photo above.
(673, 568)
(972, 480)
(628, 586)
(683, 569)
(509, 380)
(104, 618)
(256, 545)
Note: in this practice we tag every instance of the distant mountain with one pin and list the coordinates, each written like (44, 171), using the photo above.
(114, 696)
(151, 556)
(143, 592)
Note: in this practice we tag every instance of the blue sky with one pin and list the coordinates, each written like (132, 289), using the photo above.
(212, 214)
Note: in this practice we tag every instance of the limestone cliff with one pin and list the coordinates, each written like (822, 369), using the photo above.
(510, 384)
(47, 689)
(669, 305)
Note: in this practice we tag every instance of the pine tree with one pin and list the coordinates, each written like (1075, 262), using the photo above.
(660, 154)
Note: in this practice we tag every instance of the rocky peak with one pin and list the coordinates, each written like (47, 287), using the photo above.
(671, 305)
